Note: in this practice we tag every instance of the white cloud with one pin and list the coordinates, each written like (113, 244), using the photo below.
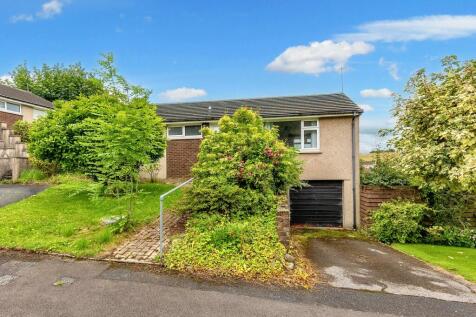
(318, 57)
(183, 93)
(6, 79)
(366, 108)
(48, 10)
(392, 68)
(22, 18)
(432, 27)
(376, 93)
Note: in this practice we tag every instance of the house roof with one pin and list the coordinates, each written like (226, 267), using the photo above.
(273, 107)
(23, 96)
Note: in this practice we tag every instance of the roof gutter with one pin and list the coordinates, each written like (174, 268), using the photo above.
(267, 119)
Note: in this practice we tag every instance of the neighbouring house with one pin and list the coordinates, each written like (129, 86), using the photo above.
(16, 104)
(323, 128)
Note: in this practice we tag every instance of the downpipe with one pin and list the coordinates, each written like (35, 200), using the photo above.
(354, 198)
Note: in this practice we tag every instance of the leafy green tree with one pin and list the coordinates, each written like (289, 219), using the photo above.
(242, 167)
(101, 136)
(435, 131)
(115, 83)
(108, 136)
(57, 82)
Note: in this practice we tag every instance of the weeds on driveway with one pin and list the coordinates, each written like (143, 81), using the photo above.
(303, 235)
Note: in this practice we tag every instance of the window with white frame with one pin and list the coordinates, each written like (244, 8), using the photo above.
(302, 135)
(10, 107)
(38, 113)
(185, 131)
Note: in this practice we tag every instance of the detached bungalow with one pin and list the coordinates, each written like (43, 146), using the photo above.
(323, 128)
(17, 104)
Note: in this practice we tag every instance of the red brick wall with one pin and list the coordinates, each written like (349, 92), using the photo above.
(372, 196)
(181, 155)
(9, 118)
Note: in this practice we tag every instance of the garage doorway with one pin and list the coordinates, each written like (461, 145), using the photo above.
(318, 204)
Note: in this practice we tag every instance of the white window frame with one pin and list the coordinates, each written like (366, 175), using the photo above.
(183, 136)
(302, 149)
(311, 128)
(37, 113)
(3, 107)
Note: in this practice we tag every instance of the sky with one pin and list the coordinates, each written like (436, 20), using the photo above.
(214, 49)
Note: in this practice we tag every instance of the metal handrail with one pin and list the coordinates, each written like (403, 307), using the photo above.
(161, 216)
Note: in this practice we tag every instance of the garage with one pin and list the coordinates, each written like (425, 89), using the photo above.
(318, 204)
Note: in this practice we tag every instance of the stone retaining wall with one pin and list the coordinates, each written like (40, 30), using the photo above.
(283, 219)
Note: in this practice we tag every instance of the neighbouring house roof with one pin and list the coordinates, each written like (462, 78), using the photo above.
(23, 96)
(273, 107)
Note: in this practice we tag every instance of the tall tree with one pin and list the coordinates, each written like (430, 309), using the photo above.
(57, 82)
(435, 131)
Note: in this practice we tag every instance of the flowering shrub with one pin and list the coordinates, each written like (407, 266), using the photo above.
(242, 167)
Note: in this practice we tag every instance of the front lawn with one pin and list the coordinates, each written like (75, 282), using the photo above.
(245, 247)
(459, 260)
(65, 219)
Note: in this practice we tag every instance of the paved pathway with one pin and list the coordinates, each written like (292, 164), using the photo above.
(13, 193)
(32, 285)
(143, 247)
(371, 266)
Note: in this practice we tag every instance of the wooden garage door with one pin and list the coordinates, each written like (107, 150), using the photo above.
(319, 204)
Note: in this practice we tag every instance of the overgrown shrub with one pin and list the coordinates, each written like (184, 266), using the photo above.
(451, 235)
(223, 245)
(384, 173)
(22, 128)
(448, 206)
(242, 167)
(48, 168)
(398, 221)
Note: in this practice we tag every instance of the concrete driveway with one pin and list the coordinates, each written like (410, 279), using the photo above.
(363, 265)
(13, 193)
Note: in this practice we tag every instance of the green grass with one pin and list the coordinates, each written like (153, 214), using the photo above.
(31, 175)
(303, 235)
(64, 218)
(458, 260)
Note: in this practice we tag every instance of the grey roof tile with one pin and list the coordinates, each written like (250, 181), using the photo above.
(273, 107)
(23, 96)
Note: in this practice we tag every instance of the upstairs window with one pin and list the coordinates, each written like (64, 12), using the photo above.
(301, 135)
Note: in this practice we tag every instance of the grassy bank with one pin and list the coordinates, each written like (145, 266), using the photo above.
(65, 219)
